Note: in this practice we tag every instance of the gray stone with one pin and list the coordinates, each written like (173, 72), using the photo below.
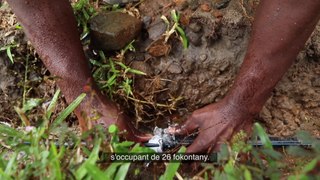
(174, 68)
(195, 27)
(194, 38)
(157, 29)
(114, 30)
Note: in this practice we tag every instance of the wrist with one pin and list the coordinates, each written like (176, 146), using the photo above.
(242, 108)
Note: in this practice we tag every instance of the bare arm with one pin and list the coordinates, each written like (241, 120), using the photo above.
(280, 30)
(51, 27)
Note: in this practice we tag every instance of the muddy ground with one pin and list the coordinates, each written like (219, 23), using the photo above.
(202, 74)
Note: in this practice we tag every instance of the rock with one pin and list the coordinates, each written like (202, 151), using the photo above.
(194, 38)
(175, 68)
(195, 27)
(146, 21)
(203, 57)
(141, 66)
(114, 30)
(119, 1)
(157, 29)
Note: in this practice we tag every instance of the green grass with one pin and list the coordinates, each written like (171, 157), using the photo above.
(113, 76)
(175, 28)
(8, 49)
(41, 153)
(83, 11)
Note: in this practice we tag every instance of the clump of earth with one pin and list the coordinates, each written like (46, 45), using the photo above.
(218, 33)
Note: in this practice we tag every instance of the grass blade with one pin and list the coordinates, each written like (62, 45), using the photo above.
(52, 104)
(258, 130)
(9, 54)
(172, 167)
(64, 114)
(95, 172)
(11, 164)
(183, 36)
(122, 172)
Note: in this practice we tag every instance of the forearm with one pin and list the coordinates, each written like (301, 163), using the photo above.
(280, 30)
(52, 30)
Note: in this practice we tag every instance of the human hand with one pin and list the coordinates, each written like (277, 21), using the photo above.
(96, 109)
(216, 123)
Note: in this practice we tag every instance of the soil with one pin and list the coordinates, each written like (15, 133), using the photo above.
(13, 83)
(201, 74)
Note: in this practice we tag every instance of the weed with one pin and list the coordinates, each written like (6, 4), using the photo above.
(114, 76)
(241, 161)
(175, 28)
(83, 11)
(172, 167)
(30, 153)
(8, 49)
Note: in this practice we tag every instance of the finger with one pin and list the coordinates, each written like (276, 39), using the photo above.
(187, 128)
(223, 138)
(141, 137)
(199, 145)
(248, 128)
(131, 133)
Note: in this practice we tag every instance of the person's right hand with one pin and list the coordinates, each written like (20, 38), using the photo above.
(97, 109)
(216, 123)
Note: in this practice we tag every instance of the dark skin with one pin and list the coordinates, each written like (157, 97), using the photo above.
(280, 30)
(51, 28)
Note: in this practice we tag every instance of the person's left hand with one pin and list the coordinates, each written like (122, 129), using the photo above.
(216, 123)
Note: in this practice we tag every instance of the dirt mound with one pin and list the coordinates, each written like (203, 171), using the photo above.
(203, 73)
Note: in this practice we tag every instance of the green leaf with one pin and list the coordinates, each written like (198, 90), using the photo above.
(64, 114)
(139, 149)
(9, 54)
(272, 153)
(172, 167)
(113, 129)
(94, 156)
(224, 153)
(11, 164)
(298, 151)
(95, 62)
(122, 172)
(31, 103)
(310, 166)
(305, 137)
(183, 36)
(134, 71)
(175, 17)
(258, 130)
(112, 169)
(54, 160)
(126, 143)
(229, 169)
(11, 132)
(247, 174)
(18, 26)
(95, 172)
(52, 104)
